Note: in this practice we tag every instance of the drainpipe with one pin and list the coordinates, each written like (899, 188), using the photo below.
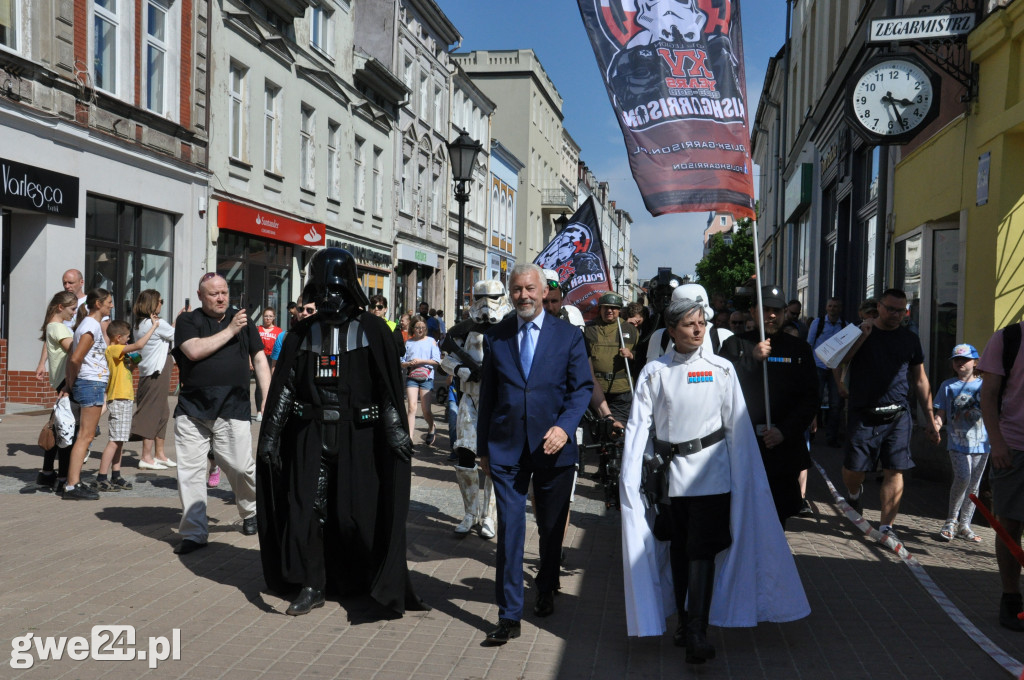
(783, 116)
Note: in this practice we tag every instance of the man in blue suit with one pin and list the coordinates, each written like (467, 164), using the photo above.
(535, 385)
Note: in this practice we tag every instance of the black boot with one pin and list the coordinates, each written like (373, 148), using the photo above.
(308, 600)
(680, 578)
(1010, 605)
(702, 583)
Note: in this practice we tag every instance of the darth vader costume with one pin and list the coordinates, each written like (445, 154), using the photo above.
(333, 471)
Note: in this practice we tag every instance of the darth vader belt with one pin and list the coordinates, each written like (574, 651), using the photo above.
(667, 449)
(329, 414)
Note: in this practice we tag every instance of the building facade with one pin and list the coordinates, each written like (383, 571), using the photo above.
(103, 117)
(505, 169)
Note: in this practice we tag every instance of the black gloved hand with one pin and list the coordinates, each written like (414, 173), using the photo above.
(394, 431)
(267, 451)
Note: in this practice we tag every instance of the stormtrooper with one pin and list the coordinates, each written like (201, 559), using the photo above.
(713, 337)
(464, 344)
(333, 471)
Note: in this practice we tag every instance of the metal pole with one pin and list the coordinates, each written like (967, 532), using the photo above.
(760, 325)
(622, 344)
(461, 195)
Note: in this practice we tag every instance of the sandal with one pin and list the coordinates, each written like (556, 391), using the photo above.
(968, 535)
(947, 532)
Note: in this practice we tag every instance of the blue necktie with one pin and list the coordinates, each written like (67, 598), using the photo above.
(526, 348)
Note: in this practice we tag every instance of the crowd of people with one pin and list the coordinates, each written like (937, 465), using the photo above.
(691, 389)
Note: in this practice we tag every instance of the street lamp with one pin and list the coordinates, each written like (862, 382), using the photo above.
(462, 154)
(561, 221)
(618, 275)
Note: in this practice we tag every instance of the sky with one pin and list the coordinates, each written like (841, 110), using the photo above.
(554, 30)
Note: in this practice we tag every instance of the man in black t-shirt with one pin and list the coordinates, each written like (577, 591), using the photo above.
(885, 362)
(213, 348)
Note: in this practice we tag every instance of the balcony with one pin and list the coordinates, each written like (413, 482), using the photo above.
(558, 199)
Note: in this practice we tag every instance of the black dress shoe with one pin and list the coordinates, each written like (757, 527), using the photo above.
(507, 630)
(249, 527)
(545, 604)
(308, 600)
(187, 546)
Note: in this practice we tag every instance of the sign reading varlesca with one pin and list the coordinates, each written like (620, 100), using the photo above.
(270, 225)
(927, 27)
(30, 188)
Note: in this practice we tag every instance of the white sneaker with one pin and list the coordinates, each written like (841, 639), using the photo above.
(259, 417)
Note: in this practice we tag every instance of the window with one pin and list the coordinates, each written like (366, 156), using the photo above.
(333, 161)
(307, 153)
(406, 184)
(424, 103)
(438, 109)
(106, 25)
(271, 129)
(321, 30)
(237, 112)
(157, 68)
(435, 200)
(129, 249)
(722, 220)
(359, 175)
(407, 74)
(378, 181)
(9, 23)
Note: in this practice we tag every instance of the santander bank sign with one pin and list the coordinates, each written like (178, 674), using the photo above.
(236, 217)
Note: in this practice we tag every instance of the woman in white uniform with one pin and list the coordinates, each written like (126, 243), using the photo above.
(725, 546)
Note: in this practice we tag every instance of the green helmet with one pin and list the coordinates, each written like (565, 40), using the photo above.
(610, 300)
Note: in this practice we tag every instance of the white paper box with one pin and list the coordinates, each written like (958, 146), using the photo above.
(832, 351)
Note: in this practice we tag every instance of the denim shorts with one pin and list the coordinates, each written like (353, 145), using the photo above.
(867, 445)
(427, 385)
(89, 393)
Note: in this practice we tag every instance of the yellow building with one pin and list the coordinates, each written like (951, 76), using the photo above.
(958, 226)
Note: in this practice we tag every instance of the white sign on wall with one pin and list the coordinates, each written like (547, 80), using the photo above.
(898, 29)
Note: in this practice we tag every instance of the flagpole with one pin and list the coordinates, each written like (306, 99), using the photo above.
(622, 344)
(760, 323)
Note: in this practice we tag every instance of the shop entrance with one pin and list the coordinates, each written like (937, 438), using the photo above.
(258, 272)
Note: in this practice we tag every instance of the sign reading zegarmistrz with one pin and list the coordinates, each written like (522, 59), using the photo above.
(902, 29)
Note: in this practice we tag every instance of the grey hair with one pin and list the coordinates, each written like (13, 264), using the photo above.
(523, 269)
(680, 309)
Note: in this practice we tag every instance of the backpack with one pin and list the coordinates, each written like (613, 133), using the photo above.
(1011, 347)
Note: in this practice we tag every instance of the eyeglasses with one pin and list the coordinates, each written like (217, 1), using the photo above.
(891, 309)
(309, 310)
(161, 302)
(379, 307)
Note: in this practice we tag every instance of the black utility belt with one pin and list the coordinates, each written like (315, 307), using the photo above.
(611, 376)
(327, 414)
(881, 415)
(667, 450)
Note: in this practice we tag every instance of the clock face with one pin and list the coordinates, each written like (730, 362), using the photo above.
(893, 97)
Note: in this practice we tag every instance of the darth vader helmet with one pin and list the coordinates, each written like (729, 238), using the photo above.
(661, 288)
(490, 302)
(333, 284)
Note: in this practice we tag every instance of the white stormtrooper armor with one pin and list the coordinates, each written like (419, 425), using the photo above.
(464, 347)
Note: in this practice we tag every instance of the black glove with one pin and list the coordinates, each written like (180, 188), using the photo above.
(394, 431)
(269, 445)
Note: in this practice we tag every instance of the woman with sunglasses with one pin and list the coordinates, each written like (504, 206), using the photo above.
(152, 412)
(421, 356)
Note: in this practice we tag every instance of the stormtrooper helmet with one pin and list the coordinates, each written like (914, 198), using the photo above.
(490, 302)
(695, 292)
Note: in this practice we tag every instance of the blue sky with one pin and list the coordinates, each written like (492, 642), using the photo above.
(554, 30)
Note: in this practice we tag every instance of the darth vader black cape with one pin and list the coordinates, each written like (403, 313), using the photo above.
(285, 492)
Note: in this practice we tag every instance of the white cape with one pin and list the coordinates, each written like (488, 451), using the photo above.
(755, 578)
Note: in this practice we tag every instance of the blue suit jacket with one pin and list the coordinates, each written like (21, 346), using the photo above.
(515, 413)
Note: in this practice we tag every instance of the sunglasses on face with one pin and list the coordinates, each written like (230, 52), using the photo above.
(309, 310)
(379, 307)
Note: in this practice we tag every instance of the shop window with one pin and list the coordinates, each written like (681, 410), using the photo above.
(945, 285)
(258, 272)
(9, 23)
(128, 249)
(373, 284)
(870, 232)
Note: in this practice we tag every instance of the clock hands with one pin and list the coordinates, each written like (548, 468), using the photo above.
(888, 99)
